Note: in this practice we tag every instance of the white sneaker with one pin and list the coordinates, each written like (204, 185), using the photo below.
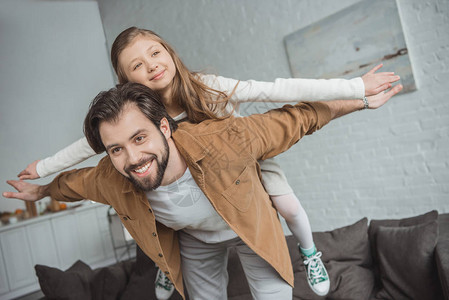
(164, 288)
(317, 276)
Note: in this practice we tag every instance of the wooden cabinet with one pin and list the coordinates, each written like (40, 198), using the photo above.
(17, 255)
(67, 236)
(40, 237)
(92, 249)
(4, 287)
(56, 240)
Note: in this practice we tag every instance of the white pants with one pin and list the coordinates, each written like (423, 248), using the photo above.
(204, 268)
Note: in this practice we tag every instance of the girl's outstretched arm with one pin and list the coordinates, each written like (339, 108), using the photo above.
(299, 89)
(67, 157)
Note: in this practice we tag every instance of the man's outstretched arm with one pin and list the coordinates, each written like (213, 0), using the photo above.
(27, 191)
(277, 130)
(74, 185)
(339, 108)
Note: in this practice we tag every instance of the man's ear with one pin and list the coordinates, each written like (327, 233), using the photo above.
(165, 128)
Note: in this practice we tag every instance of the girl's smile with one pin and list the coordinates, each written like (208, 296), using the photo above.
(158, 75)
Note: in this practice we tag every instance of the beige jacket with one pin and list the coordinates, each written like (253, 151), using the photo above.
(222, 157)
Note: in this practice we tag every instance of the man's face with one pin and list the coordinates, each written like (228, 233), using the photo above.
(137, 148)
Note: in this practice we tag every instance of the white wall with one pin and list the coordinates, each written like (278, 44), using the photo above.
(53, 62)
(392, 162)
(388, 163)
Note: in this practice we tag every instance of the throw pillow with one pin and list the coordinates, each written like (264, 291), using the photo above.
(108, 283)
(374, 227)
(349, 244)
(73, 284)
(141, 283)
(348, 282)
(406, 262)
(238, 287)
(375, 224)
(346, 255)
(441, 253)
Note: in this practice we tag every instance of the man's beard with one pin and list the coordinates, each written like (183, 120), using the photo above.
(147, 184)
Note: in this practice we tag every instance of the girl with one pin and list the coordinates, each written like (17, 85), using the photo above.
(140, 55)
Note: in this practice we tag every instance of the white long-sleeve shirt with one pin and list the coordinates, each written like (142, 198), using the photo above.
(281, 90)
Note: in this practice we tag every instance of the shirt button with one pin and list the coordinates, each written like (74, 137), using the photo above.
(154, 234)
(160, 255)
(237, 182)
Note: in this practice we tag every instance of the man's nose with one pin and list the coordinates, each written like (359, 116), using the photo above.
(133, 156)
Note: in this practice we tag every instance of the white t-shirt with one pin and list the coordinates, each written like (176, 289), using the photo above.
(182, 205)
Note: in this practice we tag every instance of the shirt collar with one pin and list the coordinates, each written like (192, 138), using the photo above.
(189, 146)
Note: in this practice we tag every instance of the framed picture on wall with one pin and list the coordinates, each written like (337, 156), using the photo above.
(350, 42)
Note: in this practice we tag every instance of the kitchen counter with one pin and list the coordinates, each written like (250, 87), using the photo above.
(80, 206)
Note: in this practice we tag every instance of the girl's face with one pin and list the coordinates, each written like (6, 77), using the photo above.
(147, 62)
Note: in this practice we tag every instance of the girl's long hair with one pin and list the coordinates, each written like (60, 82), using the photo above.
(199, 101)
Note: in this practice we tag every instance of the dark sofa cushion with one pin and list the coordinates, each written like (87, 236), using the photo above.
(406, 262)
(108, 283)
(346, 254)
(442, 253)
(238, 288)
(72, 284)
(141, 283)
(375, 224)
(373, 229)
(140, 286)
(349, 244)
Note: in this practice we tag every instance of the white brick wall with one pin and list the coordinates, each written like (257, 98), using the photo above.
(393, 162)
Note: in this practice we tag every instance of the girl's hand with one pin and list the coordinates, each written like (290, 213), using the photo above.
(29, 172)
(378, 82)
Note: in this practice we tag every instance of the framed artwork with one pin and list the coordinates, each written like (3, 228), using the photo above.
(350, 42)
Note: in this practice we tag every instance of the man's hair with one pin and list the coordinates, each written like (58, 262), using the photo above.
(108, 105)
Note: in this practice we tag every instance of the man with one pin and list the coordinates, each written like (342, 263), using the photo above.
(186, 193)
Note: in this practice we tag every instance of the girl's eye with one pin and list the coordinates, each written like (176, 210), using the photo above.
(137, 65)
(155, 53)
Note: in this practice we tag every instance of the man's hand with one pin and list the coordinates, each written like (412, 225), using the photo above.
(340, 108)
(29, 172)
(27, 191)
(380, 99)
(378, 82)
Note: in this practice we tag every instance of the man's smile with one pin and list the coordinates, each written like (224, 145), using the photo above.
(144, 169)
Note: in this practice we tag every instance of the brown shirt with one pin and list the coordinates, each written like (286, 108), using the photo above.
(222, 157)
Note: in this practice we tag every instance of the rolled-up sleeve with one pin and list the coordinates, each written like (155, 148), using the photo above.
(277, 130)
(76, 185)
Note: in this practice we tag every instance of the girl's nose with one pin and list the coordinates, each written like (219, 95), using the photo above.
(151, 67)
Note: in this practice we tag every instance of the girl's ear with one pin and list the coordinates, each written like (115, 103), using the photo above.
(165, 128)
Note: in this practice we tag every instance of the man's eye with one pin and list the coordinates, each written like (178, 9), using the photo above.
(139, 139)
(116, 150)
(137, 65)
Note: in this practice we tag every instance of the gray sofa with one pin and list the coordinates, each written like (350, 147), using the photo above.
(385, 259)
